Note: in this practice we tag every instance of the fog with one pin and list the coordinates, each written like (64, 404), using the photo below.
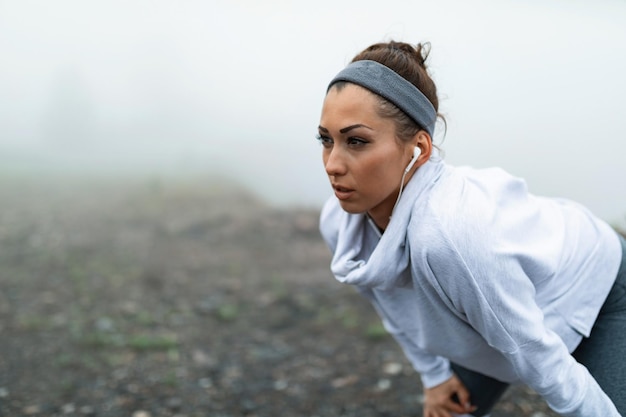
(233, 89)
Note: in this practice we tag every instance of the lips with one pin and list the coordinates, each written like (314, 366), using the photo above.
(342, 193)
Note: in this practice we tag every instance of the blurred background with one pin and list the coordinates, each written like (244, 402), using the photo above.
(160, 187)
(234, 88)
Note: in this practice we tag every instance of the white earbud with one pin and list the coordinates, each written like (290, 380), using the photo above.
(416, 153)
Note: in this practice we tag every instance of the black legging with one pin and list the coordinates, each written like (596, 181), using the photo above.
(604, 352)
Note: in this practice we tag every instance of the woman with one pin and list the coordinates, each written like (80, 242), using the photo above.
(482, 283)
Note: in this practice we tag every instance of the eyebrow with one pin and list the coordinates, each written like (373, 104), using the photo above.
(345, 129)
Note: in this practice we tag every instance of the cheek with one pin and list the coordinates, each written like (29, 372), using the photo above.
(380, 175)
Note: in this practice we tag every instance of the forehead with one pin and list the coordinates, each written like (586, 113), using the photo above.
(349, 101)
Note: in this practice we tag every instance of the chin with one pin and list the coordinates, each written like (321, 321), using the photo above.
(351, 207)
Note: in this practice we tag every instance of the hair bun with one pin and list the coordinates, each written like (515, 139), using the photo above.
(408, 61)
(418, 53)
(421, 53)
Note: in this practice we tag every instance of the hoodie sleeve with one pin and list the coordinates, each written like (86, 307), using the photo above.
(494, 293)
(495, 252)
(505, 313)
(433, 370)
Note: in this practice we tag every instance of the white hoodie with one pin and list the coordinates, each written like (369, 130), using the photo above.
(473, 269)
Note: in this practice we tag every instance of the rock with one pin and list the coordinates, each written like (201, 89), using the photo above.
(201, 359)
(87, 410)
(280, 385)
(105, 324)
(31, 410)
(383, 385)
(141, 413)
(344, 381)
(392, 368)
(205, 383)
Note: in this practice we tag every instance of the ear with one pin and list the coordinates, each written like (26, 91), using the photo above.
(423, 141)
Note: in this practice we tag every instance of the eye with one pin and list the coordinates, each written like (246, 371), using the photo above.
(356, 142)
(324, 140)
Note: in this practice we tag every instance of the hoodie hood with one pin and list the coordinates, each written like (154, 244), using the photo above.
(388, 265)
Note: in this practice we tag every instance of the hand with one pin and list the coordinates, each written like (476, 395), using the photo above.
(439, 400)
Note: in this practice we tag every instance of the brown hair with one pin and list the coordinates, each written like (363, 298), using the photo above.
(409, 62)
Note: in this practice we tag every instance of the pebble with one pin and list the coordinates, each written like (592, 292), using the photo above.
(31, 410)
(280, 385)
(202, 359)
(87, 410)
(105, 324)
(383, 384)
(345, 381)
(4, 392)
(392, 368)
(130, 308)
(205, 383)
(141, 413)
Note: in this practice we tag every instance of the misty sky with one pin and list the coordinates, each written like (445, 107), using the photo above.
(235, 87)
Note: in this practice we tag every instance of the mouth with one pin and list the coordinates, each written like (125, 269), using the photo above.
(342, 193)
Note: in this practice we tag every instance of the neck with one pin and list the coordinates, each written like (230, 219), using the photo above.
(380, 221)
(382, 215)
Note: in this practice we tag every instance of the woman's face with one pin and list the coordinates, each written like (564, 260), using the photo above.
(362, 157)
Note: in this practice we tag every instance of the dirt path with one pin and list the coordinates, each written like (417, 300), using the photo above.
(151, 298)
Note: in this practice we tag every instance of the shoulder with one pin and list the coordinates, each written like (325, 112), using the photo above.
(474, 201)
(467, 212)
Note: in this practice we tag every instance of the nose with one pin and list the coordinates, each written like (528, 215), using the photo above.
(334, 162)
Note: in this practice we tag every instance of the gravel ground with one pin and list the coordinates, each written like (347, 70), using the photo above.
(173, 298)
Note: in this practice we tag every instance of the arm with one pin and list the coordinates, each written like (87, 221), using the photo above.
(497, 297)
(441, 386)
(433, 370)
(491, 251)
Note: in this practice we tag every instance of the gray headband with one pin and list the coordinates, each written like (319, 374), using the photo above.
(388, 84)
